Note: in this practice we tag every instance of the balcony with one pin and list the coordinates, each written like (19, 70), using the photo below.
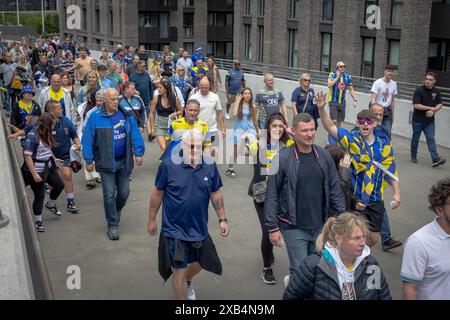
(220, 33)
(221, 6)
(156, 34)
(440, 23)
(158, 5)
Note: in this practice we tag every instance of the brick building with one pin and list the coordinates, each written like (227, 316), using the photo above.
(413, 35)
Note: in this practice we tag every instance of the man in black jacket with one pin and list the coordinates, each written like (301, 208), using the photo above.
(302, 188)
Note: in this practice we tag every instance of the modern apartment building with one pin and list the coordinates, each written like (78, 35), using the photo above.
(412, 35)
(156, 23)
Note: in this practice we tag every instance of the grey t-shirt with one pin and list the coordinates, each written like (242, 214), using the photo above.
(269, 102)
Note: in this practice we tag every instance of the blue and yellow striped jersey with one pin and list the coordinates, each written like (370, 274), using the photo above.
(179, 126)
(336, 94)
(373, 165)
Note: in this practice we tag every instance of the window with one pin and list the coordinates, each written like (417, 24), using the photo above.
(188, 46)
(260, 43)
(228, 50)
(293, 9)
(84, 21)
(97, 20)
(188, 3)
(247, 8)
(188, 24)
(367, 57)
(394, 52)
(163, 25)
(438, 54)
(396, 12)
(328, 10)
(211, 49)
(325, 60)
(292, 48)
(368, 4)
(261, 7)
(247, 41)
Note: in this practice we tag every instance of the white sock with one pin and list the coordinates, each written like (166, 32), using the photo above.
(38, 218)
(51, 203)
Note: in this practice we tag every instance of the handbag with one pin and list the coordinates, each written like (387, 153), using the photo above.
(259, 191)
(16, 83)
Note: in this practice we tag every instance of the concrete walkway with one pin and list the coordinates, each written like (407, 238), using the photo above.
(127, 269)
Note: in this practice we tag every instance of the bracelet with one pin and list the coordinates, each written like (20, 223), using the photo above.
(223, 220)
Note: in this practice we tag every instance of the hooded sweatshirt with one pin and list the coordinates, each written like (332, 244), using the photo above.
(346, 275)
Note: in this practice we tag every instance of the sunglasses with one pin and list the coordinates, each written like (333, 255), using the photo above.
(341, 66)
(365, 121)
(307, 80)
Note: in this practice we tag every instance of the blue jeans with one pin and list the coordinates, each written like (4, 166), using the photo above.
(300, 244)
(387, 125)
(116, 189)
(428, 129)
(262, 124)
(385, 228)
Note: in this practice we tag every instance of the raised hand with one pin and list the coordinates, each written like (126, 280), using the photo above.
(321, 100)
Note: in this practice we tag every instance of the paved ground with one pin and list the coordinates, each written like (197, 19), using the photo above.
(127, 269)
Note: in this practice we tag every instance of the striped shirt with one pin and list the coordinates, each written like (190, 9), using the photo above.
(336, 94)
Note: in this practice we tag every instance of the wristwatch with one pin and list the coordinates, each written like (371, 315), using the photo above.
(224, 219)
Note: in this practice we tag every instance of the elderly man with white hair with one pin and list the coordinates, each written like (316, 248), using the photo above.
(111, 138)
(185, 185)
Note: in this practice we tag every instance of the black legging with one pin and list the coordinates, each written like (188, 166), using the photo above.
(52, 178)
(266, 245)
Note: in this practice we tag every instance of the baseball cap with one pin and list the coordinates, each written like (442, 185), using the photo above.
(198, 49)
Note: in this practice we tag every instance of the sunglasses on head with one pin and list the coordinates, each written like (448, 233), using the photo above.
(365, 121)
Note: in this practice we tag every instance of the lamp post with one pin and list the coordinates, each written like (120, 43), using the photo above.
(17, 6)
(43, 19)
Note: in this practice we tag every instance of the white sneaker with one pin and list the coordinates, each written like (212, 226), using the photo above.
(190, 292)
(227, 116)
(286, 281)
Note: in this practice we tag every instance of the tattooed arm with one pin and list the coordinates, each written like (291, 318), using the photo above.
(217, 202)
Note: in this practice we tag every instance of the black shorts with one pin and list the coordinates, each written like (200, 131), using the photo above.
(374, 213)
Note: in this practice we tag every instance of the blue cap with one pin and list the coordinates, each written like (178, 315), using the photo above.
(198, 49)
(27, 89)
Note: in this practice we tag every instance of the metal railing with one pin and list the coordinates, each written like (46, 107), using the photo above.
(39, 274)
(363, 84)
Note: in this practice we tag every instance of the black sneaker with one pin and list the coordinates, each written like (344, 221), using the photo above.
(414, 160)
(391, 244)
(267, 276)
(113, 233)
(53, 210)
(39, 226)
(230, 172)
(438, 161)
(72, 207)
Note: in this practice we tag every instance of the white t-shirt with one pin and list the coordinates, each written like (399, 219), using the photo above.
(385, 91)
(208, 106)
(426, 262)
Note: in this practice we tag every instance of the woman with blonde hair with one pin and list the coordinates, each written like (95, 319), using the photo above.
(303, 98)
(342, 268)
(180, 80)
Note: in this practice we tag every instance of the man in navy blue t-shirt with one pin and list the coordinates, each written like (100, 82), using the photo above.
(184, 184)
